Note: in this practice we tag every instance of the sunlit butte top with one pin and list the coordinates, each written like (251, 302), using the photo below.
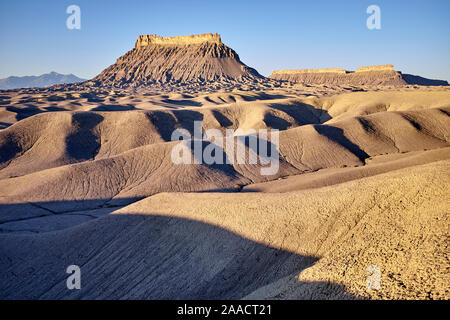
(145, 40)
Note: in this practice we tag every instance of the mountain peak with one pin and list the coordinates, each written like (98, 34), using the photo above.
(44, 80)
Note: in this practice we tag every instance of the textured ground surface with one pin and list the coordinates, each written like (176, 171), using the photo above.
(86, 178)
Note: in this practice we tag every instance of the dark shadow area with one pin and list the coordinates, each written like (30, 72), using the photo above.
(303, 113)
(185, 119)
(260, 143)
(411, 121)
(266, 151)
(114, 107)
(164, 123)
(210, 100)
(4, 125)
(9, 147)
(218, 161)
(223, 120)
(275, 122)
(167, 122)
(262, 96)
(216, 152)
(22, 113)
(421, 81)
(184, 103)
(445, 112)
(95, 99)
(337, 135)
(83, 144)
(24, 212)
(147, 256)
(54, 109)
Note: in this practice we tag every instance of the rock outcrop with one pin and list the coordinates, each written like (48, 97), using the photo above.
(373, 75)
(177, 60)
(152, 39)
(384, 67)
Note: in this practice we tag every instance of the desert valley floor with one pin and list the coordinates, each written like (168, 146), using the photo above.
(86, 179)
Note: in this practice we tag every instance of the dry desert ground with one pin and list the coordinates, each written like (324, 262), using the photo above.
(87, 179)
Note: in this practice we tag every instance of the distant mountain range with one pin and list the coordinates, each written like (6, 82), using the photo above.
(44, 80)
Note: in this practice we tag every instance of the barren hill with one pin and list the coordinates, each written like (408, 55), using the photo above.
(171, 60)
(310, 244)
(73, 157)
(86, 178)
(363, 76)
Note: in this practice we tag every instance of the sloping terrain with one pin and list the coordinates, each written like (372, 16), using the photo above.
(64, 162)
(52, 139)
(88, 179)
(184, 59)
(301, 245)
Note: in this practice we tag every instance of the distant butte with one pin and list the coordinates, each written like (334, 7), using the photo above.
(370, 75)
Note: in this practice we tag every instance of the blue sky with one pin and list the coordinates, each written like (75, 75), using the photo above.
(267, 35)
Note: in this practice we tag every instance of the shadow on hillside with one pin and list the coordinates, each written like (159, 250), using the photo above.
(147, 256)
(418, 80)
(29, 110)
(221, 119)
(54, 109)
(83, 144)
(184, 102)
(167, 122)
(337, 135)
(9, 148)
(4, 125)
(24, 112)
(303, 113)
(262, 96)
(114, 107)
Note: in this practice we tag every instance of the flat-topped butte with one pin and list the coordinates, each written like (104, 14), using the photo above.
(145, 40)
(385, 67)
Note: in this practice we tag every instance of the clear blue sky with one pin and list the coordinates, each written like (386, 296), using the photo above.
(267, 35)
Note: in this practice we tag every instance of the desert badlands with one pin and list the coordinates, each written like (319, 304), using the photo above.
(357, 208)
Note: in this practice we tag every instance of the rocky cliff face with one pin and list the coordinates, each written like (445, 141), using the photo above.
(177, 60)
(373, 75)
